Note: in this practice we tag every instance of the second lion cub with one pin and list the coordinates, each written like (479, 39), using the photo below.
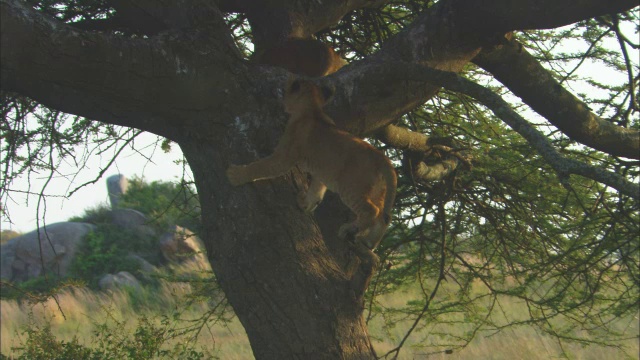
(362, 176)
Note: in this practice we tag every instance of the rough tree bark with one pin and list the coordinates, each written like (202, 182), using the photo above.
(282, 270)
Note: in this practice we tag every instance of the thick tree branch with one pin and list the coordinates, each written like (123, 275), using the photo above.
(53, 63)
(110, 24)
(108, 77)
(149, 17)
(563, 166)
(153, 16)
(445, 37)
(501, 16)
(522, 73)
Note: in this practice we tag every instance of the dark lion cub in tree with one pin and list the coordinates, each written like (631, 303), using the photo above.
(362, 176)
(302, 56)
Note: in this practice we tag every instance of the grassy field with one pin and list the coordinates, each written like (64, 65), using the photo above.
(521, 342)
(83, 309)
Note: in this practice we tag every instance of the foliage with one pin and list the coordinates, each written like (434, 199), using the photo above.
(112, 341)
(100, 214)
(169, 320)
(165, 203)
(105, 251)
(42, 344)
(569, 251)
(34, 288)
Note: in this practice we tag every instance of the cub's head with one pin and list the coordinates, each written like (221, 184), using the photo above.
(302, 95)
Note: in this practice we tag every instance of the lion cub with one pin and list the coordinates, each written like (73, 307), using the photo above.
(362, 176)
(303, 56)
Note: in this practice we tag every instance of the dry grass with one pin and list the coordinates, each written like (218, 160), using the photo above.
(82, 307)
(521, 342)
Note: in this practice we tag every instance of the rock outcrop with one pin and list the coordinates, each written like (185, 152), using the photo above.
(117, 186)
(51, 249)
(54, 247)
(119, 280)
(132, 219)
(179, 245)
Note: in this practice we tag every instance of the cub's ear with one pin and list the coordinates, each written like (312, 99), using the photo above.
(327, 92)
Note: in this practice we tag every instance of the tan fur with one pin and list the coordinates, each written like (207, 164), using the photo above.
(362, 176)
(309, 57)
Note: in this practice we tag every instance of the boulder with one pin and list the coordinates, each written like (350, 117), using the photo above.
(179, 245)
(132, 219)
(119, 280)
(116, 186)
(146, 268)
(54, 247)
(7, 258)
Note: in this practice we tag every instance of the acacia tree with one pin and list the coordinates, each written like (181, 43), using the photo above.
(546, 215)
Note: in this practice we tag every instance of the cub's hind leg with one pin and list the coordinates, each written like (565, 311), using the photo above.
(366, 213)
(372, 237)
(360, 233)
(364, 258)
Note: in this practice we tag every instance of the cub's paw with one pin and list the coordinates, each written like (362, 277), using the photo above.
(235, 176)
(364, 258)
(348, 231)
(366, 255)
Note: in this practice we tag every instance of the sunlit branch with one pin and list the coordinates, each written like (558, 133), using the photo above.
(418, 147)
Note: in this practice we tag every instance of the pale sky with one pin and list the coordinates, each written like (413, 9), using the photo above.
(22, 209)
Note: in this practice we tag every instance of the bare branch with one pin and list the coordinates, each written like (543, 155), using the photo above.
(111, 161)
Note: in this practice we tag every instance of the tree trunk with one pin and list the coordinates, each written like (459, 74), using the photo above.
(285, 284)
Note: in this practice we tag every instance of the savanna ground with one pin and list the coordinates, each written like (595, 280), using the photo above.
(124, 313)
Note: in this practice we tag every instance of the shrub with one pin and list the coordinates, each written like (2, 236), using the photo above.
(164, 202)
(105, 251)
(40, 343)
(112, 341)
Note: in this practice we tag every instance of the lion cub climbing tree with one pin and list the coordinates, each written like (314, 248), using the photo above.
(361, 175)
